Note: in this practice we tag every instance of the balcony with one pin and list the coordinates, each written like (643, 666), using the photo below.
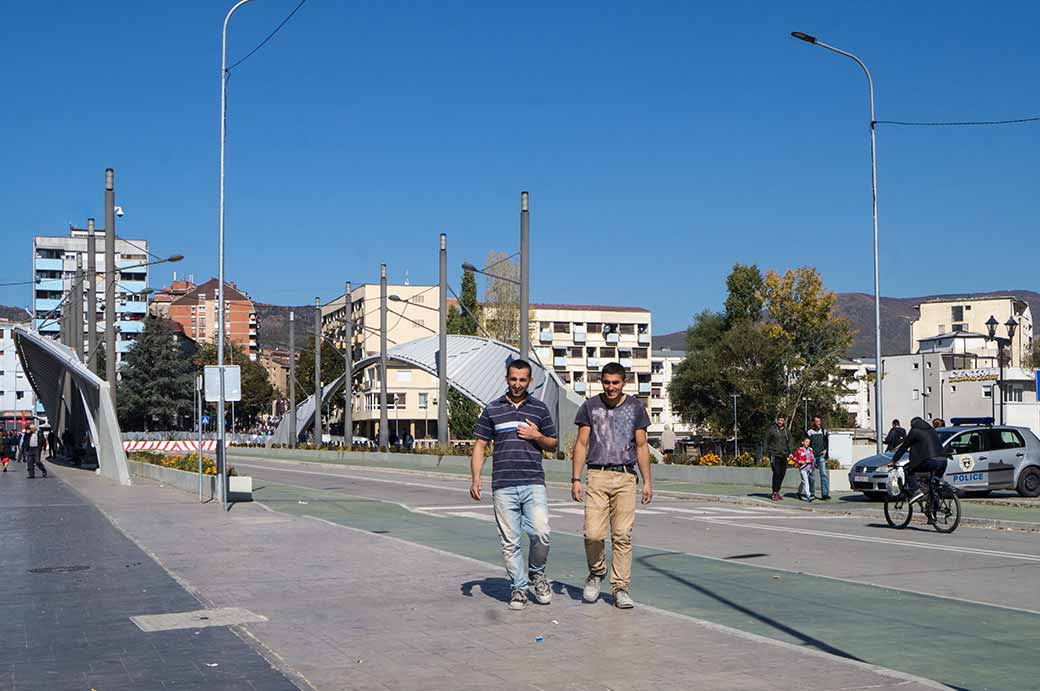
(124, 346)
(657, 377)
(644, 339)
(55, 284)
(580, 387)
(132, 286)
(611, 337)
(592, 363)
(131, 326)
(49, 326)
(545, 336)
(49, 264)
(45, 305)
(644, 387)
(579, 336)
(626, 362)
(133, 307)
(560, 361)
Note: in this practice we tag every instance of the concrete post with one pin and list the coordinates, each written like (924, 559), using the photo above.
(317, 371)
(91, 286)
(348, 369)
(384, 432)
(442, 360)
(292, 380)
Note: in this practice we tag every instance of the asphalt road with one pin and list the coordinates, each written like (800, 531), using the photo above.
(844, 584)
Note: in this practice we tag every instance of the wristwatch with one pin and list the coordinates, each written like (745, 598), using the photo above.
(575, 479)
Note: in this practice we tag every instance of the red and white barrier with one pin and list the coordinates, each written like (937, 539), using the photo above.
(184, 445)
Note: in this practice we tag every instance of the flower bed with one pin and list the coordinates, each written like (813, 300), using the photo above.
(188, 463)
(744, 460)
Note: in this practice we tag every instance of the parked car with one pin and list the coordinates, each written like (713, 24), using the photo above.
(983, 457)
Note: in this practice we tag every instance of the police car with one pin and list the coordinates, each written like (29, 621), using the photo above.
(983, 457)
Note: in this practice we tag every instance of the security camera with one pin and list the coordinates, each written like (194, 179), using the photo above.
(119, 211)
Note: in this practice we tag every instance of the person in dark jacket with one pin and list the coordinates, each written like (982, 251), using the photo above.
(895, 437)
(821, 449)
(926, 454)
(34, 443)
(778, 448)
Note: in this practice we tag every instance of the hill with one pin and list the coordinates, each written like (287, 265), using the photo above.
(896, 315)
(15, 314)
(274, 325)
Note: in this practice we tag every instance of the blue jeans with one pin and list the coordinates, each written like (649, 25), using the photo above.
(518, 510)
(825, 481)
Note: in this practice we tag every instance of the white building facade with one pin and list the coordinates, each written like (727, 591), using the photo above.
(54, 272)
(662, 415)
(17, 401)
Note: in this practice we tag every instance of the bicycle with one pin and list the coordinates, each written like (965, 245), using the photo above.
(939, 504)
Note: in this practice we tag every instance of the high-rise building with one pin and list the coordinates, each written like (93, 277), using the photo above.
(159, 305)
(54, 273)
(196, 312)
(662, 368)
(17, 400)
(951, 320)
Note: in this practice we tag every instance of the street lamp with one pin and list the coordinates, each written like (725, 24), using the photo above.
(991, 329)
(466, 266)
(873, 188)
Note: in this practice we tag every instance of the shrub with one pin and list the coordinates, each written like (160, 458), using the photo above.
(744, 460)
(833, 464)
(710, 459)
(188, 463)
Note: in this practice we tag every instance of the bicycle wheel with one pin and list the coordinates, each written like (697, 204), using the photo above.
(948, 517)
(898, 511)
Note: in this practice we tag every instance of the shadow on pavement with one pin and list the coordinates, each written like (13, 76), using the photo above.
(779, 626)
(498, 588)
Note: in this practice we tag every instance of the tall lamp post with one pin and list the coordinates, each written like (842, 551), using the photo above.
(991, 329)
(384, 433)
(220, 258)
(873, 188)
(348, 368)
(442, 364)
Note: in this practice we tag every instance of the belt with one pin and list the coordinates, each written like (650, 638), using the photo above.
(623, 468)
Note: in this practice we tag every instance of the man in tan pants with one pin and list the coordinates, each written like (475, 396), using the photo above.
(612, 439)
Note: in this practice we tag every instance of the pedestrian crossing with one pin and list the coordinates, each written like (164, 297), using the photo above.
(485, 512)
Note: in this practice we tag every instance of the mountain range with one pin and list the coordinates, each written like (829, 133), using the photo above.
(896, 315)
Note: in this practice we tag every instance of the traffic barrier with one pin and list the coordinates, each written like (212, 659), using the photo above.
(179, 445)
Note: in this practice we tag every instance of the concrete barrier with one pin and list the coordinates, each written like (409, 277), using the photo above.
(179, 479)
(556, 470)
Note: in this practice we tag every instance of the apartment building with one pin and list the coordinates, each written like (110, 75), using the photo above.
(662, 368)
(54, 272)
(17, 400)
(159, 306)
(577, 340)
(942, 318)
(412, 394)
(196, 312)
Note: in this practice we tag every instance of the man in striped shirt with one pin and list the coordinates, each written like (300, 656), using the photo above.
(521, 428)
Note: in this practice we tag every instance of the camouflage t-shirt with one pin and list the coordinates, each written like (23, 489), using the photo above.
(613, 437)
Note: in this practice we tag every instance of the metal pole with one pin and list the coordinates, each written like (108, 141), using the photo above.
(198, 450)
(442, 364)
(384, 433)
(736, 447)
(317, 372)
(348, 370)
(76, 313)
(220, 256)
(91, 286)
(110, 283)
(1000, 360)
(292, 379)
(878, 407)
(525, 278)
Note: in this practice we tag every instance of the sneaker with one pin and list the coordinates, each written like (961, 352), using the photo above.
(826, 497)
(518, 600)
(776, 496)
(591, 591)
(622, 600)
(540, 587)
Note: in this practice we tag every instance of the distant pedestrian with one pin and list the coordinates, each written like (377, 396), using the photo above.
(394, 440)
(521, 428)
(668, 443)
(612, 439)
(778, 448)
(820, 439)
(409, 441)
(52, 443)
(938, 422)
(34, 443)
(895, 436)
(803, 460)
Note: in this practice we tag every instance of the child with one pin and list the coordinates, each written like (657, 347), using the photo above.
(803, 458)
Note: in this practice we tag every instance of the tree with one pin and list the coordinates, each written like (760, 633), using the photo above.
(502, 298)
(332, 365)
(777, 344)
(257, 391)
(157, 387)
(462, 412)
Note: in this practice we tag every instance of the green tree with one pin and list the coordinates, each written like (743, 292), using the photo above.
(332, 365)
(744, 302)
(257, 391)
(157, 387)
(462, 412)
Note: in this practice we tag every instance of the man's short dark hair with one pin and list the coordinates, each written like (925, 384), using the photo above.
(519, 364)
(781, 416)
(613, 368)
(895, 423)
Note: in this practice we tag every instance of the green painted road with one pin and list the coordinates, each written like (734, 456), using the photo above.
(963, 645)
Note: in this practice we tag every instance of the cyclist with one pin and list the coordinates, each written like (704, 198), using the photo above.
(926, 455)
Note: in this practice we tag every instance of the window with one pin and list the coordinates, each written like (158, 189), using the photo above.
(959, 327)
(957, 313)
(916, 395)
(917, 365)
(606, 352)
(1013, 393)
(928, 365)
(1005, 439)
(19, 395)
(941, 330)
(639, 353)
(561, 327)
(577, 352)
(424, 401)
(968, 442)
(417, 299)
(628, 329)
(544, 326)
(987, 391)
(595, 327)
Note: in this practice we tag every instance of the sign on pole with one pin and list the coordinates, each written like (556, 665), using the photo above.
(232, 383)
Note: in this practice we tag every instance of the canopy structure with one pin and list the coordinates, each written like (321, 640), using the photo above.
(74, 398)
(476, 369)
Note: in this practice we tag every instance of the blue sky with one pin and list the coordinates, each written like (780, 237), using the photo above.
(661, 142)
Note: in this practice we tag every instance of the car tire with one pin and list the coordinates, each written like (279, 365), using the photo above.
(875, 496)
(1029, 482)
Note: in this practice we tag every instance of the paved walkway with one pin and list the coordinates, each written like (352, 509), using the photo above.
(69, 583)
(360, 609)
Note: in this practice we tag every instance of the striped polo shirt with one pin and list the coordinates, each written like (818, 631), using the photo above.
(515, 461)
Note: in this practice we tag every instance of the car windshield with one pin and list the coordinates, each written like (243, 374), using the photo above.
(944, 435)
